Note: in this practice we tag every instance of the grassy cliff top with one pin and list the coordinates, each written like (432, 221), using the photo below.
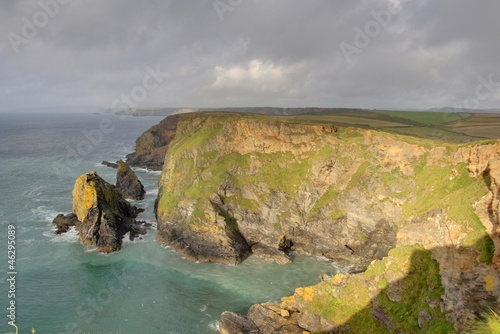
(442, 126)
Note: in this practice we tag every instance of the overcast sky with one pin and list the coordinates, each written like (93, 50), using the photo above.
(206, 53)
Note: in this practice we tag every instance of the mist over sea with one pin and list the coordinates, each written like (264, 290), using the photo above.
(64, 287)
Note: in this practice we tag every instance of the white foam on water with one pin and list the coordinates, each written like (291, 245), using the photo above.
(28, 241)
(214, 325)
(148, 171)
(152, 192)
(126, 239)
(70, 236)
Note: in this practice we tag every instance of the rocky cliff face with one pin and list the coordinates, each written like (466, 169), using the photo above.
(231, 182)
(151, 146)
(104, 216)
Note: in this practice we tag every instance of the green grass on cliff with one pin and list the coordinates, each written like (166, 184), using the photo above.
(490, 325)
(280, 171)
(452, 189)
(326, 198)
(356, 178)
(211, 177)
(400, 302)
(420, 291)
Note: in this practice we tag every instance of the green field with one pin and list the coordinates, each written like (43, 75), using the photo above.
(448, 127)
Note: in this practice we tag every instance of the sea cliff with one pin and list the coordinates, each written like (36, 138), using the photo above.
(417, 218)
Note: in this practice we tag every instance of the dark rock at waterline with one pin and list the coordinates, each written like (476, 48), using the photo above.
(285, 244)
(128, 183)
(110, 164)
(271, 254)
(138, 229)
(234, 323)
(64, 222)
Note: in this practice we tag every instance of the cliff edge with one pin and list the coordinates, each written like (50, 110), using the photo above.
(151, 146)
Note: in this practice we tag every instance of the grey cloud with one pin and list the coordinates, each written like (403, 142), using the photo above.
(276, 52)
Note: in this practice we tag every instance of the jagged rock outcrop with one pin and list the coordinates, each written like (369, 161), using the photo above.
(151, 146)
(64, 222)
(128, 183)
(348, 194)
(104, 216)
(110, 164)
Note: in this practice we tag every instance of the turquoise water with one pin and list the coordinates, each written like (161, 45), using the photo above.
(64, 287)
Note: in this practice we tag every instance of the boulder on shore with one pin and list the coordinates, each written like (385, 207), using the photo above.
(64, 222)
(128, 183)
(103, 215)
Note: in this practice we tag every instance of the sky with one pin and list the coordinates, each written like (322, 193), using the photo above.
(408, 54)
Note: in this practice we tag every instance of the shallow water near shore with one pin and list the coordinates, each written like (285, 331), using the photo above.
(64, 287)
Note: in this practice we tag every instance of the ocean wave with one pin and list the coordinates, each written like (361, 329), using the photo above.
(152, 192)
(28, 241)
(126, 239)
(89, 249)
(44, 213)
(70, 236)
(148, 171)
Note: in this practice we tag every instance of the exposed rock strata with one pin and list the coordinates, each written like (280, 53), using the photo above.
(128, 183)
(349, 195)
(103, 215)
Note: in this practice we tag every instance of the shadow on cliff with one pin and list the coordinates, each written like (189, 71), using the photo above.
(412, 290)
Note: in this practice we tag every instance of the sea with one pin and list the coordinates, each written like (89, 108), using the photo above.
(53, 284)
